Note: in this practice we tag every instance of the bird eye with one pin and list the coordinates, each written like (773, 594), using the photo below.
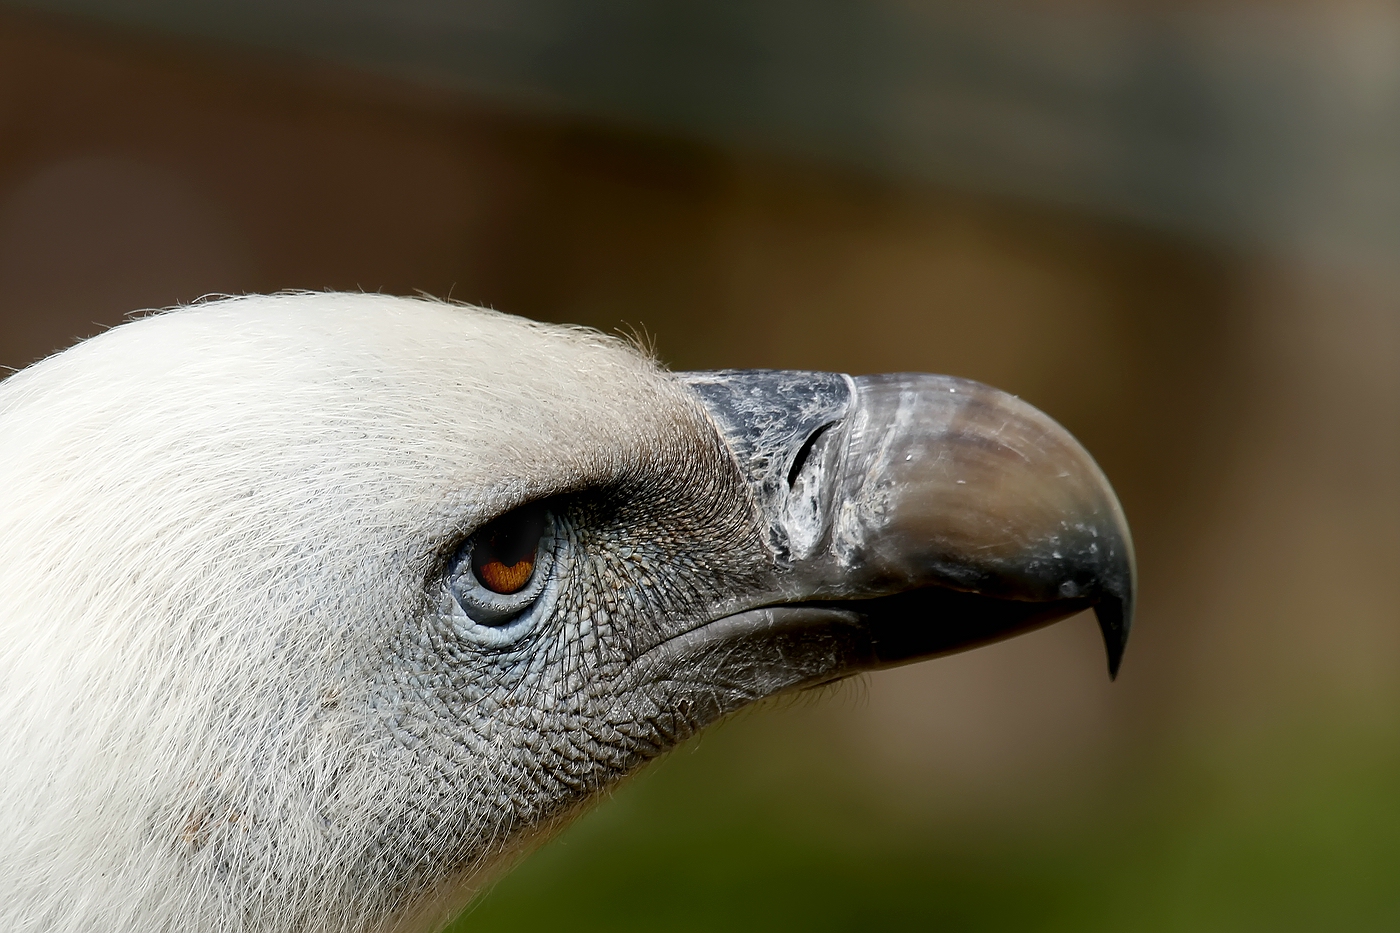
(502, 569)
(503, 555)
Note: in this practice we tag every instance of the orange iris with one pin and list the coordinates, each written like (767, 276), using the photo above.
(506, 579)
(503, 557)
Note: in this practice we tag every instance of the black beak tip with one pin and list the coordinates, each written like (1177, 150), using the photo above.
(1115, 620)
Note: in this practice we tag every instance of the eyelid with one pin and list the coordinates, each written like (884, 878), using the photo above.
(492, 614)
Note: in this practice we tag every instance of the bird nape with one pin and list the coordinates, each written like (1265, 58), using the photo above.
(321, 608)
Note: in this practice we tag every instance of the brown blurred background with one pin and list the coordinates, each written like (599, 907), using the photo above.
(1174, 228)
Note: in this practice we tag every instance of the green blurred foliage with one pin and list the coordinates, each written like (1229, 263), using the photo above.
(761, 825)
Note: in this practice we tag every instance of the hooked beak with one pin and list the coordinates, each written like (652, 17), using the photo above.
(917, 515)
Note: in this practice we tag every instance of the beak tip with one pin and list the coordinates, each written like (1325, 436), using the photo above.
(1115, 619)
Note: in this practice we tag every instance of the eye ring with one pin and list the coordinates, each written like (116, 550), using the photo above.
(501, 571)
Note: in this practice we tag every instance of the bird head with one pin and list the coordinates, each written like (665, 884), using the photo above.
(319, 609)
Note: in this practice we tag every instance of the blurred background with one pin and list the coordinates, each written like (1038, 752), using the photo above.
(1172, 225)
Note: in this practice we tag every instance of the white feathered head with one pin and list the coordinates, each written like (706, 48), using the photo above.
(315, 609)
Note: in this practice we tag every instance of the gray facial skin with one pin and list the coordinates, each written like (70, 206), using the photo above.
(827, 526)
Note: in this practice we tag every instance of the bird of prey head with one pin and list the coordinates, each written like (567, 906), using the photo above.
(316, 610)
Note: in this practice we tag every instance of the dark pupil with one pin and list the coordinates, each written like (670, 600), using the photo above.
(507, 543)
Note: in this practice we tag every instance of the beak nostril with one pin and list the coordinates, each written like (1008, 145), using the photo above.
(804, 452)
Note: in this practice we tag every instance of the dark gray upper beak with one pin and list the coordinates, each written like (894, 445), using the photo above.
(936, 512)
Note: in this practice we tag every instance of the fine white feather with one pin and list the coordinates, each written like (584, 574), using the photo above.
(209, 519)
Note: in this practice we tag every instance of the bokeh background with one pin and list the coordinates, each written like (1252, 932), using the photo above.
(1174, 226)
